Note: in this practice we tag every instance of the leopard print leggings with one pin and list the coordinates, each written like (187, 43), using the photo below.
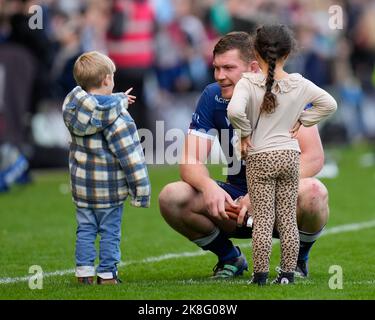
(272, 179)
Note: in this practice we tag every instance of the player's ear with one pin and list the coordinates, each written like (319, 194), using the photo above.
(254, 66)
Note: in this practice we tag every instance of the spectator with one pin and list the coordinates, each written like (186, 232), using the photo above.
(131, 47)
(69, 50)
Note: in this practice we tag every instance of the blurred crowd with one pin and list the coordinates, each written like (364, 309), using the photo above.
(163, 49)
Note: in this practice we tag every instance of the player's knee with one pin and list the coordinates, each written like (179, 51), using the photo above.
(171, 197)
(313, 196)
(166, 198)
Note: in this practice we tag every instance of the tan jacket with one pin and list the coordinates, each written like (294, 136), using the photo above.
(293, 93)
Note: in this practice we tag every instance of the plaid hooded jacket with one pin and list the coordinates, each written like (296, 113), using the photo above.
(106, 159)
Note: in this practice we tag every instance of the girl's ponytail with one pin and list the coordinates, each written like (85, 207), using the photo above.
(272, 43)
(269, 100)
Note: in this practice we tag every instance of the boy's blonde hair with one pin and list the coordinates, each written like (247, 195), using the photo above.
(91, 68)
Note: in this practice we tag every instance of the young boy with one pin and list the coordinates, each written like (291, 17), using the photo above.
(106, 163)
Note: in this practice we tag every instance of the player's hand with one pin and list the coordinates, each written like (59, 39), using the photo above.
(242, 214)
(294, 130)
(131, 99)
(245, 146)
(231, 211)
(216, 200)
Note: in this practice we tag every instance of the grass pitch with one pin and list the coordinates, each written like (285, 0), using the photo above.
(38, 228)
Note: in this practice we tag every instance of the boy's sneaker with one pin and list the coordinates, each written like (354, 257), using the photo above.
(284, 278)
(114, 280)
(86, 280)
(259, 278)
(302, 270)
(231, 268)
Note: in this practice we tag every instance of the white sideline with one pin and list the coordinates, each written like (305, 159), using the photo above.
(168, 256)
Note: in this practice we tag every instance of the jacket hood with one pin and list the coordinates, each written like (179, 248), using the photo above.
(86, 114)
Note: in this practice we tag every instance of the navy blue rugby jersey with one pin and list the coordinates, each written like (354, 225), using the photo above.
(209, 121)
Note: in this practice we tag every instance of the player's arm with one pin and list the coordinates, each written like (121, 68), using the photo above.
(194, 172)
(192, 168)
(312, 153)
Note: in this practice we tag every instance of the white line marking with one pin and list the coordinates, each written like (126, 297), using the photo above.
(349, 227)
(168, 256)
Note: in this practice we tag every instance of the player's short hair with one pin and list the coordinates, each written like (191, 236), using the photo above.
(240, 40)
(91, 68)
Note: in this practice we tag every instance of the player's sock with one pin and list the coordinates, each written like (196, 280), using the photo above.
(306, 242)
(218, 243)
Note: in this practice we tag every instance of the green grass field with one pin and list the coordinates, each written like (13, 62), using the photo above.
(38, 228)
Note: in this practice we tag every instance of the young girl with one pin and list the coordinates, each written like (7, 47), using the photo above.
(267, 108)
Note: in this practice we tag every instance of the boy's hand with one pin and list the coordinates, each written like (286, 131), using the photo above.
(131, 99)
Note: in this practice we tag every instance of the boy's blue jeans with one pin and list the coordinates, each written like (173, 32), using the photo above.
(106, 223)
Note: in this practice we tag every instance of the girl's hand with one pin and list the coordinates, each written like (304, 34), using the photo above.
(131, 99)
(294, 130)
(242, 215)
(245, 146)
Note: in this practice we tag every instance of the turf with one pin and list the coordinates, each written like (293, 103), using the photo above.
(38, 228)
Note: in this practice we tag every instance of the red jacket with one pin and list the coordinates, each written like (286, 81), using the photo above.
(135, 47)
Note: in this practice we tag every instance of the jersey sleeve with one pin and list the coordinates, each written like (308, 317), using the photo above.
(202, 123)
